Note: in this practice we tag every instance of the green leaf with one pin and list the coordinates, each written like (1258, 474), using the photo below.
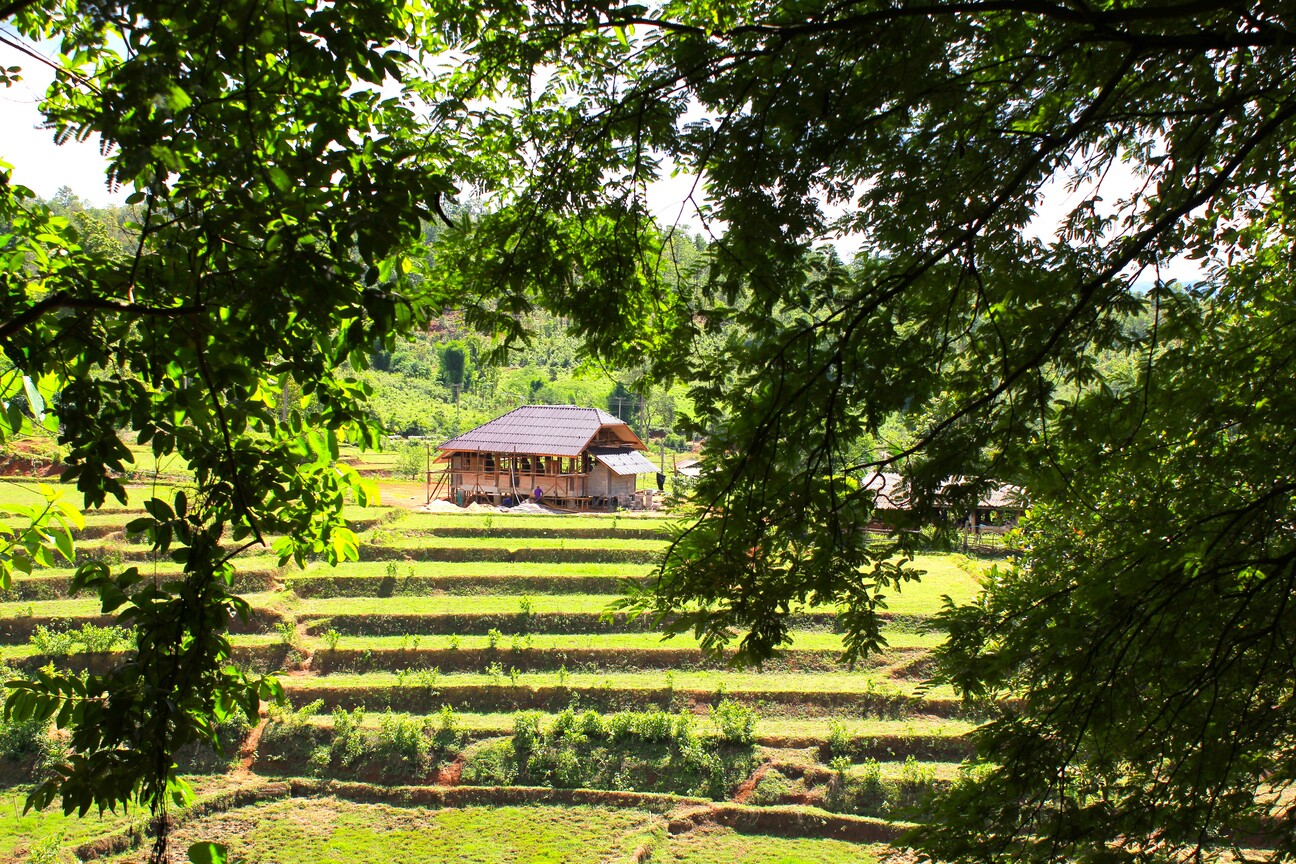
(208, 853)
(34, 399)
(63, 540)
(178, 99)
(279, 177)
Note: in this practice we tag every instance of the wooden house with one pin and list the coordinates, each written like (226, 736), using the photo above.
(996, 511)
(580, 458)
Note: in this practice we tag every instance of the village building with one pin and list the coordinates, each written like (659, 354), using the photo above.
(578, 459)
(690, 468)
(997, 509)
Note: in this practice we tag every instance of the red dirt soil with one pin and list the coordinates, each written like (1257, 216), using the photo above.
(748, 786)
(451, 774)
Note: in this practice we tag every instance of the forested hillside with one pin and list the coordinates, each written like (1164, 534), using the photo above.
(451, 377)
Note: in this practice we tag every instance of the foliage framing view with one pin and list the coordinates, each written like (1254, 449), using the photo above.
(1146, 632)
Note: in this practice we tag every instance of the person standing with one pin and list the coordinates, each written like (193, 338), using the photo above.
(537, 494)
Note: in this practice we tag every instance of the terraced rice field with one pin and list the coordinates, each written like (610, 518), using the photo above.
(463, 693)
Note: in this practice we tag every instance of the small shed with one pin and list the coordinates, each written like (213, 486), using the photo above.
(997, 508)
(690, 468)
(579, 458)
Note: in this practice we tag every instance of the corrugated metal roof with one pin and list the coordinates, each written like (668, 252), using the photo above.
(546, 430)
(623, 462)
(892, 493)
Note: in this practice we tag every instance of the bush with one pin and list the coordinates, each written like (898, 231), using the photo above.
(735, 723)
(289, 735)
(29, 748)
(411, 461)
(567, 770)
(449, 736)
(526, 731)
(864, 792)
(773, 788)
(652, 726)
(21, 740)
(349, 744)
(203, 758)
(492, 763)
(89, 639)
(838, 739)
(654, 750)
(402, 743)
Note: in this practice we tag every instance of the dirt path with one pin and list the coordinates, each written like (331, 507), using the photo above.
(451, 774)
(748, 786)
(248, 751)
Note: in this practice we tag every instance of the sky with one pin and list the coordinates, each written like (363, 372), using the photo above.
(41, 165)
(38, 163)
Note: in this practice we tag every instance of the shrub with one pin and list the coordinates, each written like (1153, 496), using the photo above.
(449, 734)
(52, 643)
(915, 784)
(735, 723)
(349, 743)
(290, 732)
(101, 639)
(411, 461)
(653, 726)
(568, 769)
(838, 739)
(403, 740)
(493, 763)
(868, 793)
(652, 749)
(526, 731)
(204, 758)
(773, 788)
(47, 851)
(29, 745)
(91, 638)
(288, 634)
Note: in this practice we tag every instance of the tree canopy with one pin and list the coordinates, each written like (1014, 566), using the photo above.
(284, 157)
(281, 197)
(1144, 633)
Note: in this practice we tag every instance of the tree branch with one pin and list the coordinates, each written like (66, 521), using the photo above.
(13, 8)
(63, 300)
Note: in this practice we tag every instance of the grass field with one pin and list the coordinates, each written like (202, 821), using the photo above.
(798, 728)
(513, 544)
(403, 633)
(333, 831)
(712, 681)
(329, 831)
(809, 640)
(21, 834)
(726, 845)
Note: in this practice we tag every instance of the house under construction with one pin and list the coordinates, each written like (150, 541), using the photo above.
(580, 459)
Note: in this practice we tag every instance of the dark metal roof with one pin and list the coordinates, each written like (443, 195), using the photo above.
(624, 461)
(544, 430)
(893, 494)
